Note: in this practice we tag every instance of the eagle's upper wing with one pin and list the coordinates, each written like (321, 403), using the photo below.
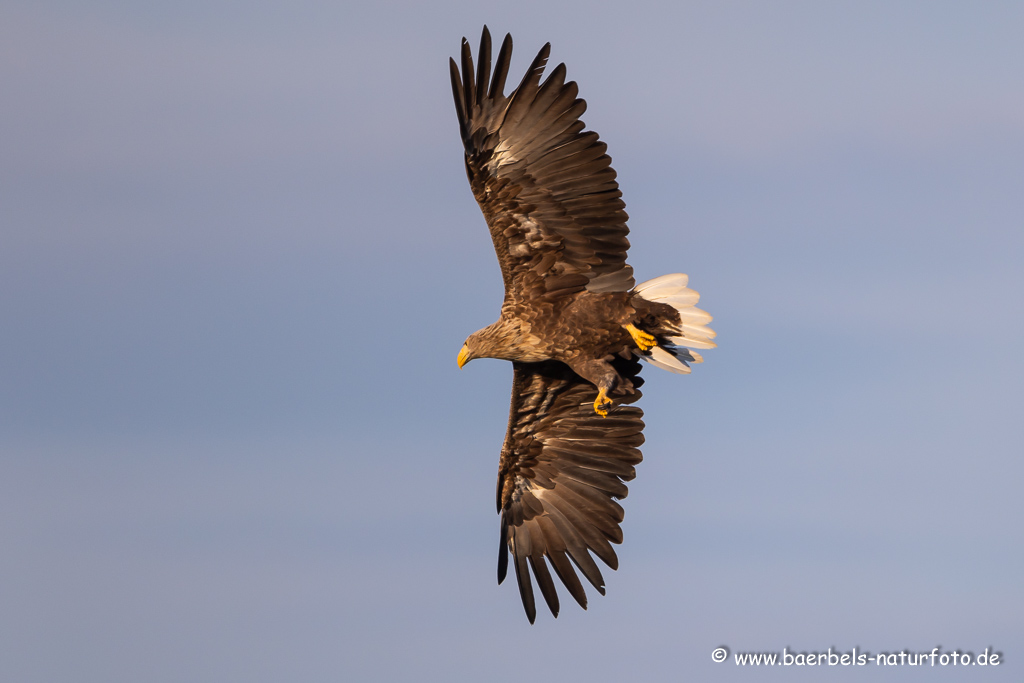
(562, 468)
(547, 189)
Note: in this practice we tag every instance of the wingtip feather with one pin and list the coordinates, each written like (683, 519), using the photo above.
(501, 65)
(483, 66)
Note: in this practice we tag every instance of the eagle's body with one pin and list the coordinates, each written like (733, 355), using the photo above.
(581, 330)
(573, 322)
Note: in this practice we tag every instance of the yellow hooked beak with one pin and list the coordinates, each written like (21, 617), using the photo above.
(463, 356)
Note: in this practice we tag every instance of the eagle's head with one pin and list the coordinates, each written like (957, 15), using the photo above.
(477, 345)
(503, 340)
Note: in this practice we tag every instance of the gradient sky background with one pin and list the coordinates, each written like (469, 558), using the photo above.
(238, 255)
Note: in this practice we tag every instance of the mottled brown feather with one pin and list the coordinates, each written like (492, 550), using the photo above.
(562, 467)
(546, 188)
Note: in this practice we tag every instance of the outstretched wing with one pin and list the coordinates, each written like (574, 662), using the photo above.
(562, 469)
(546, 188)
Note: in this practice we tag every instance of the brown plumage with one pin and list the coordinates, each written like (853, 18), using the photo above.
(572, 321)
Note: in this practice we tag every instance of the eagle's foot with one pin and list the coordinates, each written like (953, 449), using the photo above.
(600, 402)
(643, 340)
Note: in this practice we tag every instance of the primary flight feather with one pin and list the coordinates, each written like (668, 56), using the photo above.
(573, 322)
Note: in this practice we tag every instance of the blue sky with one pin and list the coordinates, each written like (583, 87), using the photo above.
(238, 256)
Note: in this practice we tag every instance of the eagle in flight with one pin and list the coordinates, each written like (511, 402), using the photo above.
(573, 321)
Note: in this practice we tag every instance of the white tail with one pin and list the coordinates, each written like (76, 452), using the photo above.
(692, 331)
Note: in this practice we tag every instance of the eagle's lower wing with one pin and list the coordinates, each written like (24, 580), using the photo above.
(547, 189)
(562, 469)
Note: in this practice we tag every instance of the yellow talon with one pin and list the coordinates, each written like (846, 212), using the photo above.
(643, 340)
(600, 402)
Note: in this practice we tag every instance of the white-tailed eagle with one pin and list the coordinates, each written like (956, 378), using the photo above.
(573, 322)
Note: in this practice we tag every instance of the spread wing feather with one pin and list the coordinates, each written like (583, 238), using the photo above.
(562, 469)
(546, 187)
